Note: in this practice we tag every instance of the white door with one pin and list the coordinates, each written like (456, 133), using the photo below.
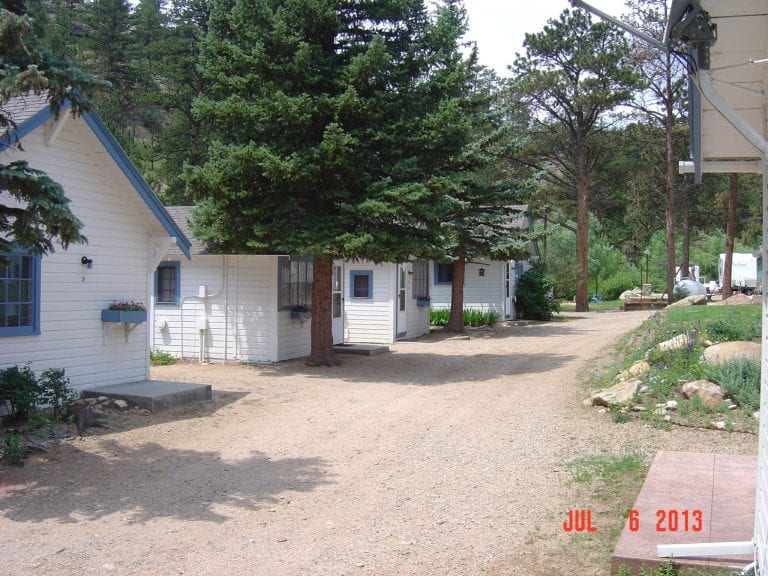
(337, 304)
(509, 291)
(402, 278)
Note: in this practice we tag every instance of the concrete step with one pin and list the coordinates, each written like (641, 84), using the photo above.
(361, 349)
(154, 395)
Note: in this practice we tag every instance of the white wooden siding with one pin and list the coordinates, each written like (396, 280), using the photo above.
(294, 336)
(480, 292)
(119, 227)
(371, 320)
(243, 323)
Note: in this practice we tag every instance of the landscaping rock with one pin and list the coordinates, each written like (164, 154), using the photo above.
(671, 405)
(695, 300)
(735, 300)
(683, 340)
(121, 404)
(710, 393)
(725, 351)
(639, 408)
(639, 368)
(616, 395)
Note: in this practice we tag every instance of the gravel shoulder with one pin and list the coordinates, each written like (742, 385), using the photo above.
(445, 456)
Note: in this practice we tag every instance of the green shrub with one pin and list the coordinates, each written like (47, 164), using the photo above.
(55, 391)
(161, 358)
(472, 317)
(439, 317)
(620, 282)
(740, 378)
(19, 390)
(535, 296)
(11, 448)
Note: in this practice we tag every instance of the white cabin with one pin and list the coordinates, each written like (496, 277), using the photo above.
(243, 308)
(58, 323)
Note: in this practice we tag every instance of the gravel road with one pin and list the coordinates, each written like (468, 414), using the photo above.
(445, 456)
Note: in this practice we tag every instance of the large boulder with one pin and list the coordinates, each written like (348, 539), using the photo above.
(710, 393)
(725, 351)
(695, 300)
(617, 395)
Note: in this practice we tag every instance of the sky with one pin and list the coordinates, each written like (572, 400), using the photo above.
(499, 26)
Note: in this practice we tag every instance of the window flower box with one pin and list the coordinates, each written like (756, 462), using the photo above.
(422, 302)
(131, 316)
(125, 311)
(300, 313)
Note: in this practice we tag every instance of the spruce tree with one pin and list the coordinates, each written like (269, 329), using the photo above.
(328, 126)
(39, 213)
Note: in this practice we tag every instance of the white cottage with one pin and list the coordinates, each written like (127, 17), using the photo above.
(489, 285)
(51, 306)
(385, 302)
(246, 308)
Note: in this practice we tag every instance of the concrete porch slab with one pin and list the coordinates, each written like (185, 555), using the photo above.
(721, 487)
(154, 395)
(361, 349)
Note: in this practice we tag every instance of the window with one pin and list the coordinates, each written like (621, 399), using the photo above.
(167, 283)
(19, 294)
(295, 282)
(361, 283)
(443, 272)
(420, 280)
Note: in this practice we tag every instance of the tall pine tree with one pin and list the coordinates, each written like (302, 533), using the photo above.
(574, 73)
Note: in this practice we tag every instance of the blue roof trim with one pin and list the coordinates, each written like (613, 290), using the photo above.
(111, 145)
(28, 126)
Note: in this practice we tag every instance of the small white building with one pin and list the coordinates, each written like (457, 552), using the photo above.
(385, 302)
(244, 308)
(489, 285)
(51, 306)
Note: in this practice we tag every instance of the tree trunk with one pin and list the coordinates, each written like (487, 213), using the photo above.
(685, 250)
(321, 331)
(670, 186)
(456, 319)
(730, 236)
(582, 227)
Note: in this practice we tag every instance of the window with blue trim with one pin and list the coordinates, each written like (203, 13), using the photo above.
(295, 282)
(19, 294)
(443, 272)
(168, 283)
(361, 283)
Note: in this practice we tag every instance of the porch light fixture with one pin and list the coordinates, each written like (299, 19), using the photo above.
(481, 271)
(87, 262)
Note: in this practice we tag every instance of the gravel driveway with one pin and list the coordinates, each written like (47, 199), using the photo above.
(446, 456)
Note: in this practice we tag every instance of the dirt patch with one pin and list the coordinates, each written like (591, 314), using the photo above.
(445, 456)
